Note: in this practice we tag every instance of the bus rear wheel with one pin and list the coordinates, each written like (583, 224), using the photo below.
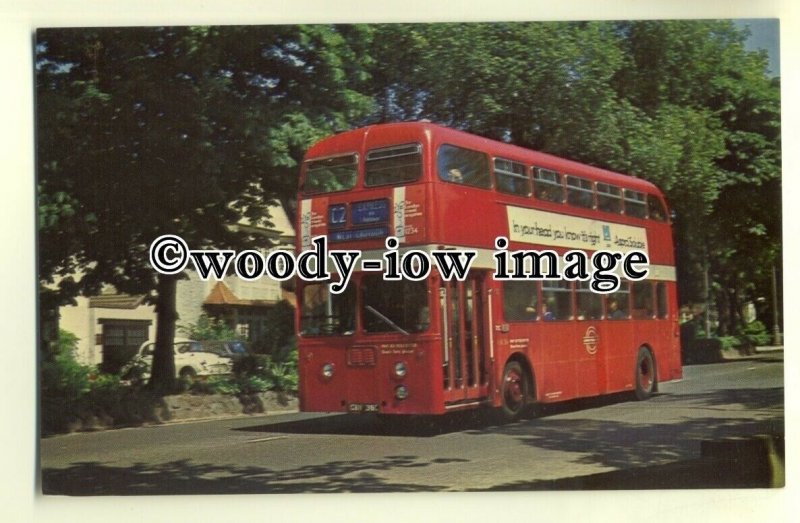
(645, 374)
(515, 389)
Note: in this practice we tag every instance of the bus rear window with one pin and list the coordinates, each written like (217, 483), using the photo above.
(390, 165)
(331, 174)
(459, 165)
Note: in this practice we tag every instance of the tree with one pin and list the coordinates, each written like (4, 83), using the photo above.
(149, 131)
(703, 66)
(679, 103)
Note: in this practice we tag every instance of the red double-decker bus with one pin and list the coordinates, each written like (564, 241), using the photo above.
(435, 346)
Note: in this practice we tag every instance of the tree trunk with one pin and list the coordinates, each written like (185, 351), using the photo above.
(162, 377)
(723, 312)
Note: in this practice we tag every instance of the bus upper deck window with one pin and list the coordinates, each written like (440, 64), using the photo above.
(547, 185)
(511, 177)
(609, 198)
(465, 166)
(391, 165)
(635, 204)
(331, 174)
(579, 192)
(656, 209)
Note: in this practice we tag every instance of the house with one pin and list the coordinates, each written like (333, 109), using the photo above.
(112, 326)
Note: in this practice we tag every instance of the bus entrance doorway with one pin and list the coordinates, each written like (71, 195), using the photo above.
(463, 314)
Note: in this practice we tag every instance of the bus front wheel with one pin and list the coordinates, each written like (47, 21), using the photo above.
(645, 374)
(515, 391)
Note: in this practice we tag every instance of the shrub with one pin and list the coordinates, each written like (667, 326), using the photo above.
(208, 328)
(755, 333)
(64, 384)
(279, 330)
(254, 384)
(216, 385)
(729, 342)
(73, 394)
(251, 365)
(283, 376)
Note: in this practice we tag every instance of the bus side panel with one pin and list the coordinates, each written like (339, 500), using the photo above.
(557, 361)
(620, 347)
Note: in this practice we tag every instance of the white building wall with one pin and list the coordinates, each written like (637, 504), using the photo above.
(189, 298)
(84, 322)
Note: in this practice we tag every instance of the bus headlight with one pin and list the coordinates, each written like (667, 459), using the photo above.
(401, 392)
(400, 369)
(327, 371)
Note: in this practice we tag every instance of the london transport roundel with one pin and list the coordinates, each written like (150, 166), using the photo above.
(591, 340)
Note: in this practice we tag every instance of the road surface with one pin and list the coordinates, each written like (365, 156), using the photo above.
(464, 452)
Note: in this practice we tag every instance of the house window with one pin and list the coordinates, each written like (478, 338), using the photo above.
(121, 341)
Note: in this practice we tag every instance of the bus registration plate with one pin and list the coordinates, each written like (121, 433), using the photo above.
(363, 407)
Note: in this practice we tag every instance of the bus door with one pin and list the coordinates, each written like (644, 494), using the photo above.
(464, 355)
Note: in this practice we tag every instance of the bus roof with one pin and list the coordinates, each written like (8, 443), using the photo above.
(357, 140)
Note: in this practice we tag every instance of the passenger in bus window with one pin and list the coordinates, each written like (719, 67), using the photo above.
(547, 314)
(543, 193)
(454, 175)
(530, 309)
(507, 184)
(614, 312)
(657, 213)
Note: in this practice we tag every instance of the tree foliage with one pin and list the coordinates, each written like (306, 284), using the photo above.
(149, 131)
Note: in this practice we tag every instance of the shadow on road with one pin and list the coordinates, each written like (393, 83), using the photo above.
(647, 454)
(638, 443)
(184, 477)
(372, 425)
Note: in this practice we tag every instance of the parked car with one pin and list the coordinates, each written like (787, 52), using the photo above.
(192, 359)
(231, 348)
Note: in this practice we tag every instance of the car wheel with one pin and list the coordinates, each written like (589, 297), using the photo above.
(188, 374)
